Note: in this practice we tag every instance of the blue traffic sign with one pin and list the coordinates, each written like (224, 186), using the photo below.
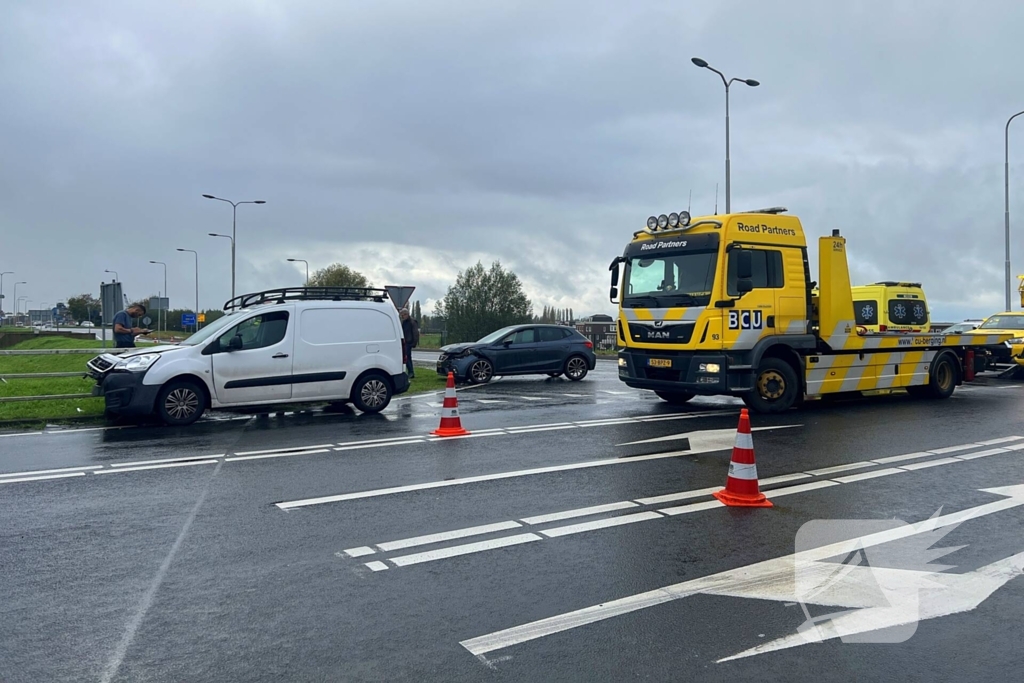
(188, 319)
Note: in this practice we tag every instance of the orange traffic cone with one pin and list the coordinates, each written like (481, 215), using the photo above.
(451, 424)
(741, 489)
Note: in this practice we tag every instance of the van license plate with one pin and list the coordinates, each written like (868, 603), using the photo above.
(659, 362)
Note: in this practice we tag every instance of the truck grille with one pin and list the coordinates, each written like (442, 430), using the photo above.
(659, 332)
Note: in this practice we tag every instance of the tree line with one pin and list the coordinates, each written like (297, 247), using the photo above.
(481, 300)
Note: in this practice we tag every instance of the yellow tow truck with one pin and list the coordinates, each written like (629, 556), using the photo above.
(725, 305)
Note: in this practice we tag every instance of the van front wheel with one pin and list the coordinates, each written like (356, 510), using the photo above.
(180, 403)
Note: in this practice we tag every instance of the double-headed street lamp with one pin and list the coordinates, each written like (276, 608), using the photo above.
(163, 309)
(234, 215)
(1006, 189)
(752, 83)
(302, 260)
(196, 254)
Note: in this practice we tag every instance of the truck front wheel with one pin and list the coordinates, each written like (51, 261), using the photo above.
(675, 398)
(776, 387)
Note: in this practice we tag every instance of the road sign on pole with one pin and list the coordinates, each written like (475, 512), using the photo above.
(399, 295)
(188, 319)
(201, 317)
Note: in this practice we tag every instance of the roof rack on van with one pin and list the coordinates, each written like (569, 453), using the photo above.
(890, 283)
(306, 294)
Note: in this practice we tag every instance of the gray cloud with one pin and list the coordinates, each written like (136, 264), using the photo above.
(411, 139)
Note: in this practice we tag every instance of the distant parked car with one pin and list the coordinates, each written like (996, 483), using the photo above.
(550, 350)
(85, 323)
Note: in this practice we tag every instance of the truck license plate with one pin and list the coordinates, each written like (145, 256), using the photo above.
(659, 362)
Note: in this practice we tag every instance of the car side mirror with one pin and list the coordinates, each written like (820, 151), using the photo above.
(236, 343)
(744, 267)
(507, 343)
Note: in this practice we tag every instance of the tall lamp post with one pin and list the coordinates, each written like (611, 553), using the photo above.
(216, 234)
(112, 272)
(234, 216)
(753, 84)
(6, 272)
(17, 300)
(1006, 189)
(163, 309)
(302, 260)
(196, 254)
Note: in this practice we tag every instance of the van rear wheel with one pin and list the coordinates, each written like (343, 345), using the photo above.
(372, 393)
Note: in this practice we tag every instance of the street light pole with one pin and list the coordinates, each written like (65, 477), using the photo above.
(196, 254)
(234, 236)
(214, 234)
(302, 260)
(6, 272)
(16, 299)
(1006, 195)
(726, 82)
(113, 272)
(163, 309)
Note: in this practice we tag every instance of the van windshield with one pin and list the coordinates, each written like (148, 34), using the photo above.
(212, 329)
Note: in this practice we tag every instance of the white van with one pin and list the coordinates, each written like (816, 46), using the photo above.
(303, 344)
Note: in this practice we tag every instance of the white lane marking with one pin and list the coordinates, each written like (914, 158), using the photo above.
(615, 393)
(842, 468)
(541, 429)
(534, 398)
(62, 469)
(284, 450)
(376, 441)
(381, 445)
(49, 476)
(783, 478)
(359, 552)
(868, 475)
(471, 435)
(686, 416)
(490, 400)
(576, 395)
(953, 449)
(721, 437)
(691, 507)
(481, 546)
(376, 566)
(291, 504)
(982, 454)
(277, 455)
(158, 467)
(747, 575)
(901, 458)
(682, 495)
(582, 527)
(160, 462)
(447, 536)
(579, 512)
(1005, 439)
(800, 488)
(607, 423)
(22, 434)
(930, 463)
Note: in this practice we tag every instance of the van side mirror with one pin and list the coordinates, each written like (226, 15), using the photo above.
(744, 267)
(235, 344)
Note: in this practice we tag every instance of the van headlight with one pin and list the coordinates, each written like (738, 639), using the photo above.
(137, 363)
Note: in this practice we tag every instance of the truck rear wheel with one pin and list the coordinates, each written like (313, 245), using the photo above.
(776, 387)
(941, 379)
(675, 398)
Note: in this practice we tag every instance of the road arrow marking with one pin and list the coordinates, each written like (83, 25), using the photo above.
(736, 579)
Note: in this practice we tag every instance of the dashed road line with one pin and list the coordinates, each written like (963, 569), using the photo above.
(161, 462)
(454, 551)
(55, 471)
(157, 467)
(48, 476)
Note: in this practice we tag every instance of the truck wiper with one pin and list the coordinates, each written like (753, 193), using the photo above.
(639, 301)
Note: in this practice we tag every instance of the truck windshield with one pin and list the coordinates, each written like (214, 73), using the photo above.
(666, 280)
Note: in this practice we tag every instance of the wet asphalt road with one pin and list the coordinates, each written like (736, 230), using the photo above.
(338, 547)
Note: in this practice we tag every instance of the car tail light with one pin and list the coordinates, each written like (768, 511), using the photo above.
(589, 344)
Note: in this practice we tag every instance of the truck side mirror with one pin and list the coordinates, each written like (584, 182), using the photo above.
(744, 285)
(744, 267)
(613, 292)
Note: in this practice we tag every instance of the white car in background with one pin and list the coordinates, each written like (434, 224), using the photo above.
(283, 346)
(86, 323)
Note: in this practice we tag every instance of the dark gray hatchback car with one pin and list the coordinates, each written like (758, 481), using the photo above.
(551, 350)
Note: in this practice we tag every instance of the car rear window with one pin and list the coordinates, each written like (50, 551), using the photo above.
(907, 312)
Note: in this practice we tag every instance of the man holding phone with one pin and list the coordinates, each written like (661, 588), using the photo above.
(124, 333)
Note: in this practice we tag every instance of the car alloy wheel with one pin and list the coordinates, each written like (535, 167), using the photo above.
(374, 393)
(480, 371)
(576, 367)
(182, 403)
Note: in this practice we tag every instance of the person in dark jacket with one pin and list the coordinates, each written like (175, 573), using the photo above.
(411, 337)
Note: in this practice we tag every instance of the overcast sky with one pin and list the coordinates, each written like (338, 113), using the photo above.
(410, 139)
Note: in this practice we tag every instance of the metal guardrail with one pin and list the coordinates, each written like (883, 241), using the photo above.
(52, 397)
(40, 375)
(60, 352)
(45, 375)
